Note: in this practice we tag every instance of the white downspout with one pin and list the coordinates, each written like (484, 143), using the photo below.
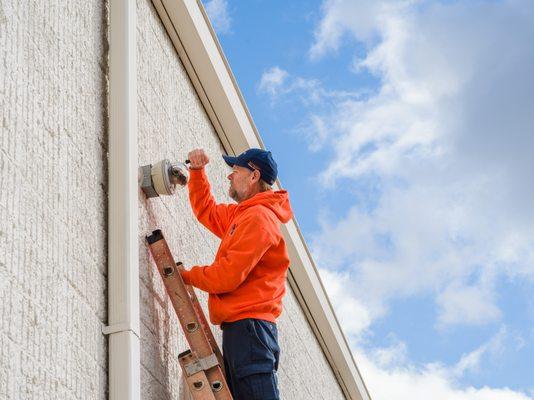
(123, 256)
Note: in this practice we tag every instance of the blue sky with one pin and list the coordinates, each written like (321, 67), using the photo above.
(404, 131)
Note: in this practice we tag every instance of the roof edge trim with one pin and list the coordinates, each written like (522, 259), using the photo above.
(197, 45)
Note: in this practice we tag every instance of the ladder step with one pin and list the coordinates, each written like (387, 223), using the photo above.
(198, 383)
(202, 364)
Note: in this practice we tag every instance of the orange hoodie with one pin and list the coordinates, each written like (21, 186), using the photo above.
(247, 278)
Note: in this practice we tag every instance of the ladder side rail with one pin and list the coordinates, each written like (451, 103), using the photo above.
(180, 299)
(203, 322)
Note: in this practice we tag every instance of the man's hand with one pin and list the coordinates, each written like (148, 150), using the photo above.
(198, 159)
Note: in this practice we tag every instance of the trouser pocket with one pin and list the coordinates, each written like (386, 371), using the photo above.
(256, 381)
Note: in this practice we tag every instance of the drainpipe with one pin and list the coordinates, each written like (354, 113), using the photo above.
(123, 258)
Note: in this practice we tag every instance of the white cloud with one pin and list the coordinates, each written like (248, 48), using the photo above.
(354, 317)
(448, 139)
(471, 361)
(391, 357)
(390, 375)
(387, 371)
(218, 13)
(281, 87)
(467, 304)
(278, 83)
(316, 132)
(360, 19)
(430, 381)
(272, 81)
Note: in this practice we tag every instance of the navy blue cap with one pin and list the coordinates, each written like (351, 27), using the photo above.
(261, 160)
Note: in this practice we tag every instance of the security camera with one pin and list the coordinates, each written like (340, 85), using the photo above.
(163, 177)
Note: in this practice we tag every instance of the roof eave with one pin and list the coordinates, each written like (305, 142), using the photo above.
(201, 54)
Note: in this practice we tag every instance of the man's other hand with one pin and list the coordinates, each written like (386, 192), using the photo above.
(197, 159)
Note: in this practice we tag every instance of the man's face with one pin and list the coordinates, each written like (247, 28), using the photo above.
(242, 181)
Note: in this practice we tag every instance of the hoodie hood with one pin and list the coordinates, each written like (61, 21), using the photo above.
(276, 201)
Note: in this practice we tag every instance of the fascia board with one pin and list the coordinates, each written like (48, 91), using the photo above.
(201, 54)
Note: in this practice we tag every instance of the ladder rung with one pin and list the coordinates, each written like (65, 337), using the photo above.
(198, 383)
(201, 364)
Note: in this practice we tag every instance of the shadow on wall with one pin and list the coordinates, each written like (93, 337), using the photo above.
(153, 354)
(2, 15)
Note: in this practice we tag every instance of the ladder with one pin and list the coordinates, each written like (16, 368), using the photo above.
(202, 365)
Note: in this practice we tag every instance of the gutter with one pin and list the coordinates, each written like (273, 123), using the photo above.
(123, 258)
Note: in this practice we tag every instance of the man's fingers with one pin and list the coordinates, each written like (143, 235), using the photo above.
(198, 159)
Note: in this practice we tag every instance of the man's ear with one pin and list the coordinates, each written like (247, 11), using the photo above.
(256, 175)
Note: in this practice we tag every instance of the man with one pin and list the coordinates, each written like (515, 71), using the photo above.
(246, 282)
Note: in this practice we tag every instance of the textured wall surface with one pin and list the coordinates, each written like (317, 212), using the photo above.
(53, 209)
(52, 200)
(172, 121)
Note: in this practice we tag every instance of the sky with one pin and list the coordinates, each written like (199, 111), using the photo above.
(404, 133)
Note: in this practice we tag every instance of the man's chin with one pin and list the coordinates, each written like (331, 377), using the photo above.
(233, 194)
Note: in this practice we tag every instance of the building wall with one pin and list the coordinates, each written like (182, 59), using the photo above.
(53, 255)
(172, 122)
(52, 200)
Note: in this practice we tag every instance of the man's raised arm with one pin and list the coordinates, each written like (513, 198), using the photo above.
(215, 217)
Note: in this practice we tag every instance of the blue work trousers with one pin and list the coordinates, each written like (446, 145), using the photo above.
(251, 354)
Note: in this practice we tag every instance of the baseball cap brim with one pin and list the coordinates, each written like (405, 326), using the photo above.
(231, 161)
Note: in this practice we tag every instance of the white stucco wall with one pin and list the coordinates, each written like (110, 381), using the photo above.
(52, 200)
(53, 143)
(172, 121)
